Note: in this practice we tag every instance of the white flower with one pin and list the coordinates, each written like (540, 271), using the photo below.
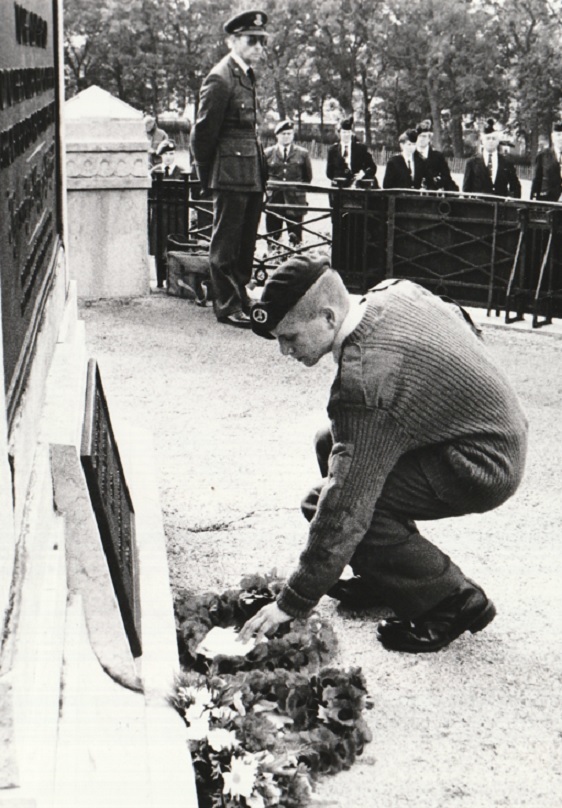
(240, 780)
(220, 739)
(201, 700)
(198, 728)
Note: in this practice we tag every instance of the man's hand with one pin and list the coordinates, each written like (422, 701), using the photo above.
(264, 622)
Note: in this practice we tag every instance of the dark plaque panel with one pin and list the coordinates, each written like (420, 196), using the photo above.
(30, 185)
(111, 502)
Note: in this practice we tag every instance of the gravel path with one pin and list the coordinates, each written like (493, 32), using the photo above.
(477, 725)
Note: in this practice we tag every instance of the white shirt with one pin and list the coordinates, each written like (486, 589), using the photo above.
(485, 157)
(352, 319)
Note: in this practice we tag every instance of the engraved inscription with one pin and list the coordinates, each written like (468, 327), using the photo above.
(111, 501)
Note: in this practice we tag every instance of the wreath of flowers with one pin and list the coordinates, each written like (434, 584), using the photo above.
(263, 727)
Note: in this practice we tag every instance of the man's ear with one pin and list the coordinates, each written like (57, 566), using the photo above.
(330, 316)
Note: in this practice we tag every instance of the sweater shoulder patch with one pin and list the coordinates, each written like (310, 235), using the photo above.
(369, 375)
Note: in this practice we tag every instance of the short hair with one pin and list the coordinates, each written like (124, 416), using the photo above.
(328, 291)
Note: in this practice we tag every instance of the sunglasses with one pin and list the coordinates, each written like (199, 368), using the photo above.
(256, 40)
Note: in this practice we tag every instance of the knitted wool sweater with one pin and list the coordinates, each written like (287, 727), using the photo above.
(413, 375)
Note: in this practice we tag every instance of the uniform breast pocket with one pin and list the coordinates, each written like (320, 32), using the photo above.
(238, 163)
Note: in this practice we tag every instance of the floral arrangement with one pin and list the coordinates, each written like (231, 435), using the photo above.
(263, 727)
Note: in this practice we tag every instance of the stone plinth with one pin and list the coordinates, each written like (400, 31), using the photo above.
(107, 183)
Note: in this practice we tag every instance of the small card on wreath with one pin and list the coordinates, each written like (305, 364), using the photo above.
(224, 642)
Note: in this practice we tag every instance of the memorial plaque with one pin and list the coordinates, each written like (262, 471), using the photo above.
(111, 502)
(30, 178)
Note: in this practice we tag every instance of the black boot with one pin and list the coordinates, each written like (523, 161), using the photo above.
(466, 609)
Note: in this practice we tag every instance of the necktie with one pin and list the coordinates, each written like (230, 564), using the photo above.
(251, 75)
(285, 154)
(490, 166)
(167, 171)
(345, 153)
(410, 169)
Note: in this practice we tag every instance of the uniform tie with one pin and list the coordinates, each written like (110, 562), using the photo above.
(251, 75)
(285, 154)
(490, 165)
(345, 153)
(167, 171)
(410, 169)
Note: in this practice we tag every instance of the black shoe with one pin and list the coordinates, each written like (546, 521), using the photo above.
(466, 609)
(354, 593)
(238, 320)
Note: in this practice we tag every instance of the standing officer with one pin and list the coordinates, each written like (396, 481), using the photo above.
(287, 163)
(230, 163)
(547, 179)
(490, 172)
(349, 161)
(435, 160)
(408, 169)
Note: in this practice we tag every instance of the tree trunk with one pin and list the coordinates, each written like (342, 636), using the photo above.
(366, 108)
(456, 134)
(435, 107)
(281, 109)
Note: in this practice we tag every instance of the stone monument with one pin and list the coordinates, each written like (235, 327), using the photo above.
(107, 184)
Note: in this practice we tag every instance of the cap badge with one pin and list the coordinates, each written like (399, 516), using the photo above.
(259, 315)
(259, 20)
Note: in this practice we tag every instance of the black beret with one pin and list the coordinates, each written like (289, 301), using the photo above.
(249, 22)
(424, 126)
(409, 134)
(347, 123)
(166, 146)
(489, 126)
(283, 290)
(283, 126)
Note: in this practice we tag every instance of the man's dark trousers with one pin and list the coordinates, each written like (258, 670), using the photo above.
(236, 217)
(404, 569)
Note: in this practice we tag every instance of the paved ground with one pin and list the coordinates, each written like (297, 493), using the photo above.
(477, 725)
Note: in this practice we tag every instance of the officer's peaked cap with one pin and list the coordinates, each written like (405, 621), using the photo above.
(249, 22)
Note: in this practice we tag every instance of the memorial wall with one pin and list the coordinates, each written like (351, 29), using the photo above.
(30, 179)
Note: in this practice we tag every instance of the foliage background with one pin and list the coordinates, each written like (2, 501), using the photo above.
(391, 62)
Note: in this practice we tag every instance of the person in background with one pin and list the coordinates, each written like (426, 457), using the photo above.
(230, 163)
(490, 172)
(547, 177)
(287, 163)
(350, 162)
(408, 169)
(435, 160)
(166, 152)
(423, 425)
(156, 136)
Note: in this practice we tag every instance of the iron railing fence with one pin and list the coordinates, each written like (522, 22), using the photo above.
(485, 251)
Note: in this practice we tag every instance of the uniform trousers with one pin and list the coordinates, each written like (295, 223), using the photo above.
(405, 570)
(274, 224)
(236, 217)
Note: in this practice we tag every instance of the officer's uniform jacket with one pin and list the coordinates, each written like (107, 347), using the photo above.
(224, 142)
(440, 171)
(360, 159)
(396, 174)
(547, 179)
(477, 178)
(297, 168)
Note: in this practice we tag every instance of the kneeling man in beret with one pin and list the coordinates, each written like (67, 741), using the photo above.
(423, 425)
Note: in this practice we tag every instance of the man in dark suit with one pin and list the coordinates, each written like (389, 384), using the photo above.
(230, 162)
(435, 160)
(287, 163)
(162, 225)
(490, 172)
(349, 161)
(408, 169)
(547, 179)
